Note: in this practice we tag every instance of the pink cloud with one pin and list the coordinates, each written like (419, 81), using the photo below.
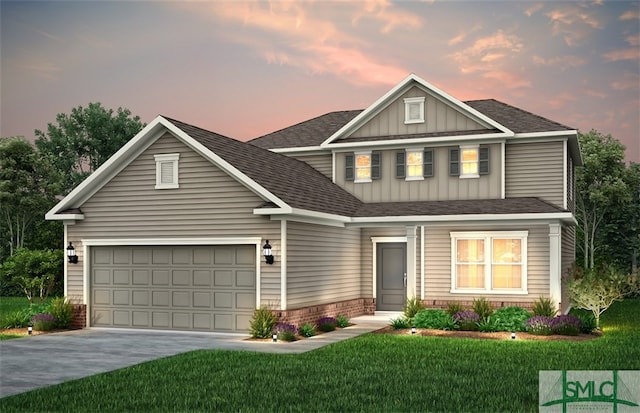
(488, 53)
(623, 54)
(574, 23)
(629, 81)
(383, 11)
(533, 9)
(630, 15)
(560, 100)
(633, 40)
(562, 62)
(508, 80)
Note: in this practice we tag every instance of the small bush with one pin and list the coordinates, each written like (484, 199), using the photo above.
(22, 318)
(327, 324)
(488, 325)
(588, 322)
(539, 325)
(262, 323)
(343, 321)
(412, 307)
(544, 306)
(482, 307)
(435, 319)
(454, 307)
(43, 322)
(285, 331)
(307, 330)
(400, 323)
(62, 310)
(566, 325)
(510, 318)
(467, 320)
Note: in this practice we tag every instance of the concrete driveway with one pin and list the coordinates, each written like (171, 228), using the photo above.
(38, 361)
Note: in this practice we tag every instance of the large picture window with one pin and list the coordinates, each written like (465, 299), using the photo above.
(489, 262)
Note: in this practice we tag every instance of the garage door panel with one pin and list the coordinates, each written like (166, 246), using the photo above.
(223, 322)
(141, 256)
(181, 256)
(245, 256)
(121, 277)
(223, 300)
(181, 321)
(121, 318)
(101, 277)
(246, 301)
(181, 298)
(202, 299)
(160, 256)
(181, 277)
(121, 256)
(160, 319)
(140, 277)
(202, 278)
(101, 297)
(223, 278)
(140, 319)
(121, 297)
(101, 318)
(203, 256)
(202, 321)
(140, 298)
(160, 277)
(160, 298)
(245, 279)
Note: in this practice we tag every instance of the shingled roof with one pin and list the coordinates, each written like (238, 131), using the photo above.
(315, 131)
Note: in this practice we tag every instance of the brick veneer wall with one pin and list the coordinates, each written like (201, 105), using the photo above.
(350, 308)
(79, 319)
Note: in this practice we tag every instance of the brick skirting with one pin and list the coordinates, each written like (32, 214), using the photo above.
(311, 314)
(79, 319)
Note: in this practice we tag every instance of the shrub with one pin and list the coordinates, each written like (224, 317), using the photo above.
(285, 331)
(343, 321)
(262, 322)
(467, 320)
(307, 330)
(435, 319)
(539, 325)
(35, 272)
(482, 307)
(327, 324)
(544, 306)
(412, 307)
(22, 318)
(400, 323)
(510, 318)
(454, 307)
(588, 322)
(488, 325)
(62, 310)
(43, 322)
(566, 325)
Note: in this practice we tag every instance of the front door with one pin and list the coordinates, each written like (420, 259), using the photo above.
(391, 277)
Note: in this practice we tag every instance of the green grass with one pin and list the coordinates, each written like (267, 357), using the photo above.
(381, 373)
(10, 305)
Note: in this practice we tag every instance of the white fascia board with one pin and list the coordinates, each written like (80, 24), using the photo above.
(272, 211)
(550, 134)
(303, 214)
(564, 216)
(172, 241)
(64, 217)
(443, 140)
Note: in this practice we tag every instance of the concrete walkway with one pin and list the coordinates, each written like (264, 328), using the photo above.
(38, 361)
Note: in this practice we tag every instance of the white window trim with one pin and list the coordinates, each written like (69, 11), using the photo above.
(160, 159)
(477, 149)
(406, 165)
(407, 104)
(355, 167)
(488, 236)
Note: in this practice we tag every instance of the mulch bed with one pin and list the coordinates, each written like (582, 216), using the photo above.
(501, 335)
(24, 331)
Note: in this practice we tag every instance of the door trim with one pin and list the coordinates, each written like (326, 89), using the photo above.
(375, 241)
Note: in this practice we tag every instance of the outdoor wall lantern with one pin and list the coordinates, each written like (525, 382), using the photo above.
(267, 252)
(71, 254)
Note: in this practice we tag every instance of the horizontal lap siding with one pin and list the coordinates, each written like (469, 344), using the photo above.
(208, 204)
(323, 264)
(535, 170)
(438, 264)
(367, 254)
(322, 163)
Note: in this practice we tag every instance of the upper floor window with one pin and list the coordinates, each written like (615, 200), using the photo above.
(469, 161)
(167, 171)
(414, 164)
(362, 166)
(414, 110)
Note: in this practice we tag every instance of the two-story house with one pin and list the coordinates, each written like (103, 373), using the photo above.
(419, 195)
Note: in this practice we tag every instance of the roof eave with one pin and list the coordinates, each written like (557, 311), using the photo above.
(566, 217)
(427, 140)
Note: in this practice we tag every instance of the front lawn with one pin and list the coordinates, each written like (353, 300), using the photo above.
(374, 372)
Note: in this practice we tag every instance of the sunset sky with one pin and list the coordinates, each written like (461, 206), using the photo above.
(244, 69)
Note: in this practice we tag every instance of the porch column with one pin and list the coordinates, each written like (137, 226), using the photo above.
(411, 262)
(555, 263)
(283, 264)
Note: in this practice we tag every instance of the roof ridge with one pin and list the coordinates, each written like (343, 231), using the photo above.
(522, 110)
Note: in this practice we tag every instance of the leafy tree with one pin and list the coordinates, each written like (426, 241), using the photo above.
(28, 185)
(600, 189)
(35, 272)
(84, 139)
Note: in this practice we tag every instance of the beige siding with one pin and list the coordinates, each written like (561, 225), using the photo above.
(323, 264)
(440, 187)
(439, 117)
(208, 204)
(568, 259)
(535, 170)
(438, 264)
(321, 162)
(367, 254)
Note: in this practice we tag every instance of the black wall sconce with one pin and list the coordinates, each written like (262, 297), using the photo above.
(266, 248)
(71, 254)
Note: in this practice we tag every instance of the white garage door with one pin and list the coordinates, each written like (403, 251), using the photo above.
(204, 288)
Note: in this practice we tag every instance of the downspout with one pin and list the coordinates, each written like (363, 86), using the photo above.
(421, 262)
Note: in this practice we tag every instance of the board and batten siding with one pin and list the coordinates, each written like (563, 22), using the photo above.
(440, 187)
(438, 264)
(568, 256)
(438, 116)
(208, 204)
(320, 162)
(535, 170)
(323, 264)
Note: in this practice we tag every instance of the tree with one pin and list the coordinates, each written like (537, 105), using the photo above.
(85, 139)
(36, 272)
(28, 185)
(600, 188)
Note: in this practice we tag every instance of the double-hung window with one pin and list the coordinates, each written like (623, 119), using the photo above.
(469, 161)
(362, 166)
(414, 164)
(489, 262)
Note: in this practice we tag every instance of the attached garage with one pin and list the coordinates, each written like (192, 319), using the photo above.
(189, 287)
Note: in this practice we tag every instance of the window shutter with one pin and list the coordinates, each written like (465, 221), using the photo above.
(483, 165)
(400, 165)
(427, 163)
(375, 165)
(166, 172)
(454, 162)
(349, 172)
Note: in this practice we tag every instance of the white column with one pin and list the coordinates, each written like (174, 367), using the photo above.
(283, 264)
(422, 262)
(411, 262)
(555, 263)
